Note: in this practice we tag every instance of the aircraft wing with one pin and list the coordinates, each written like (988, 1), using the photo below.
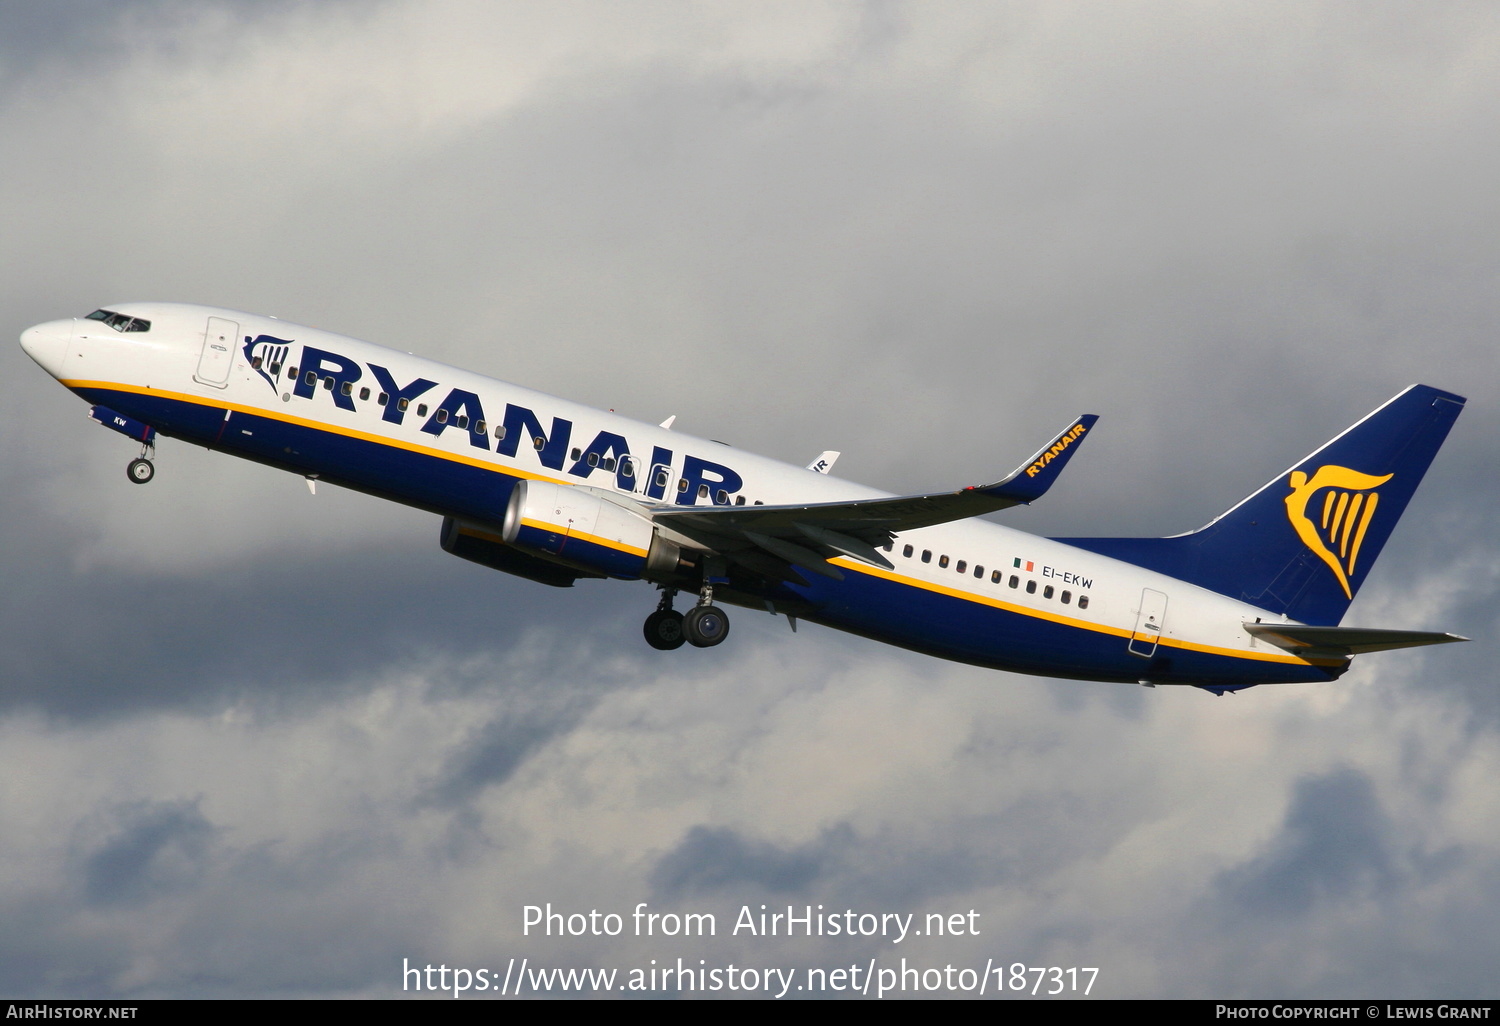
(809, 535)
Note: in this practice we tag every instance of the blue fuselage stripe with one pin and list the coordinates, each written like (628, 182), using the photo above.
(867, 604)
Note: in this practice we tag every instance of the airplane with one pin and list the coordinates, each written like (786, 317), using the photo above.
(556, 492)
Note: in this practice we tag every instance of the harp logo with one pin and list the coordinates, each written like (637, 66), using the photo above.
(1334, 525)
(266, 354)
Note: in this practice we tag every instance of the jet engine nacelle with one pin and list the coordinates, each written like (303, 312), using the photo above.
(580, 528)
(481, 544)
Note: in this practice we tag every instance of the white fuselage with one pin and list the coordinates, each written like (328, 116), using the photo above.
(309, 401)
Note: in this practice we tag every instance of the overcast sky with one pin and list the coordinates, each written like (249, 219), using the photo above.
(257, 743)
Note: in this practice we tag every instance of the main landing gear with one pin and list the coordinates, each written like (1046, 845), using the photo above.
(703, 626)
(664, 627)
(141, 470)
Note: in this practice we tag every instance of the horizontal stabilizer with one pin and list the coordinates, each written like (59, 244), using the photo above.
(1296, 637)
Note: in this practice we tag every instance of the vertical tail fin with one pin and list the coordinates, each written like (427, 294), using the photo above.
(1302, 545)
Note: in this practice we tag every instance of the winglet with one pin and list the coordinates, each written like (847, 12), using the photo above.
(1031, 479)
(824, 463)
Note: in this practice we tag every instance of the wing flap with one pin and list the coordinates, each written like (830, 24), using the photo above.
(857, 528)
(864, 518)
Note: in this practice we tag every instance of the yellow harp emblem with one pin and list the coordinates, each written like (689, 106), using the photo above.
(1347, 508)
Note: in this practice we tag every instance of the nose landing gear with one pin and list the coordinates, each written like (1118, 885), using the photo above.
(141, 470)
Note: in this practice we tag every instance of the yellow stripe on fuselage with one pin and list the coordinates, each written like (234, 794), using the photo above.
(846, 563)
(319, 425)
(843, 562)
(573, 533)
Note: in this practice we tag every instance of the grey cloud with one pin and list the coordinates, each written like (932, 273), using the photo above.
(923, 238)
(1334, 845)
(262, 631)
(713, 858)
(94, 39)
(45, 954)
(498, 748)
(151, 849)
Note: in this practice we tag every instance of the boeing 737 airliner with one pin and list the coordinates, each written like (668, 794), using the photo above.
(552, 491)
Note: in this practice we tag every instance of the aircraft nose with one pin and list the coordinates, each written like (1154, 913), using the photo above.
(47, 344)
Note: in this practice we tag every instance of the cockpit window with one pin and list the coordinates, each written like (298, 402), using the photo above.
(119, 321)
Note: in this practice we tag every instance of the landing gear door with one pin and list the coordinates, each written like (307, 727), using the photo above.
(218, 352)
(1148, 623)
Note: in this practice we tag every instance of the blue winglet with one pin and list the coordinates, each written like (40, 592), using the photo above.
(1032, 478)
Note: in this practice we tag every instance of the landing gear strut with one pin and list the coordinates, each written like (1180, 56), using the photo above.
(705, 624)
(141, 469)
(664, 627)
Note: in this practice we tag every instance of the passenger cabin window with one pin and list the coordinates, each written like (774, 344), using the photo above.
(721, 497)
(1015, 582)
(328, 383)
(978, 570)
(255, 363)
(996, 577)
(962, 566)
(403, 405)
(383, 398)
(739, 500)
(364, 393)
(499, 431)
(1031, 587)
(461, 420)
(1047, 591)
(348, 388)
(906, 551)
(1066, 597)
(422, 411)
(442, 416)
(576, 455)
(943, 562)
(312, 377)
(927, 555)
(1083, 601)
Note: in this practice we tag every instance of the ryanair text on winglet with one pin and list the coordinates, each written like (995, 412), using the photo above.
(1067, 439)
